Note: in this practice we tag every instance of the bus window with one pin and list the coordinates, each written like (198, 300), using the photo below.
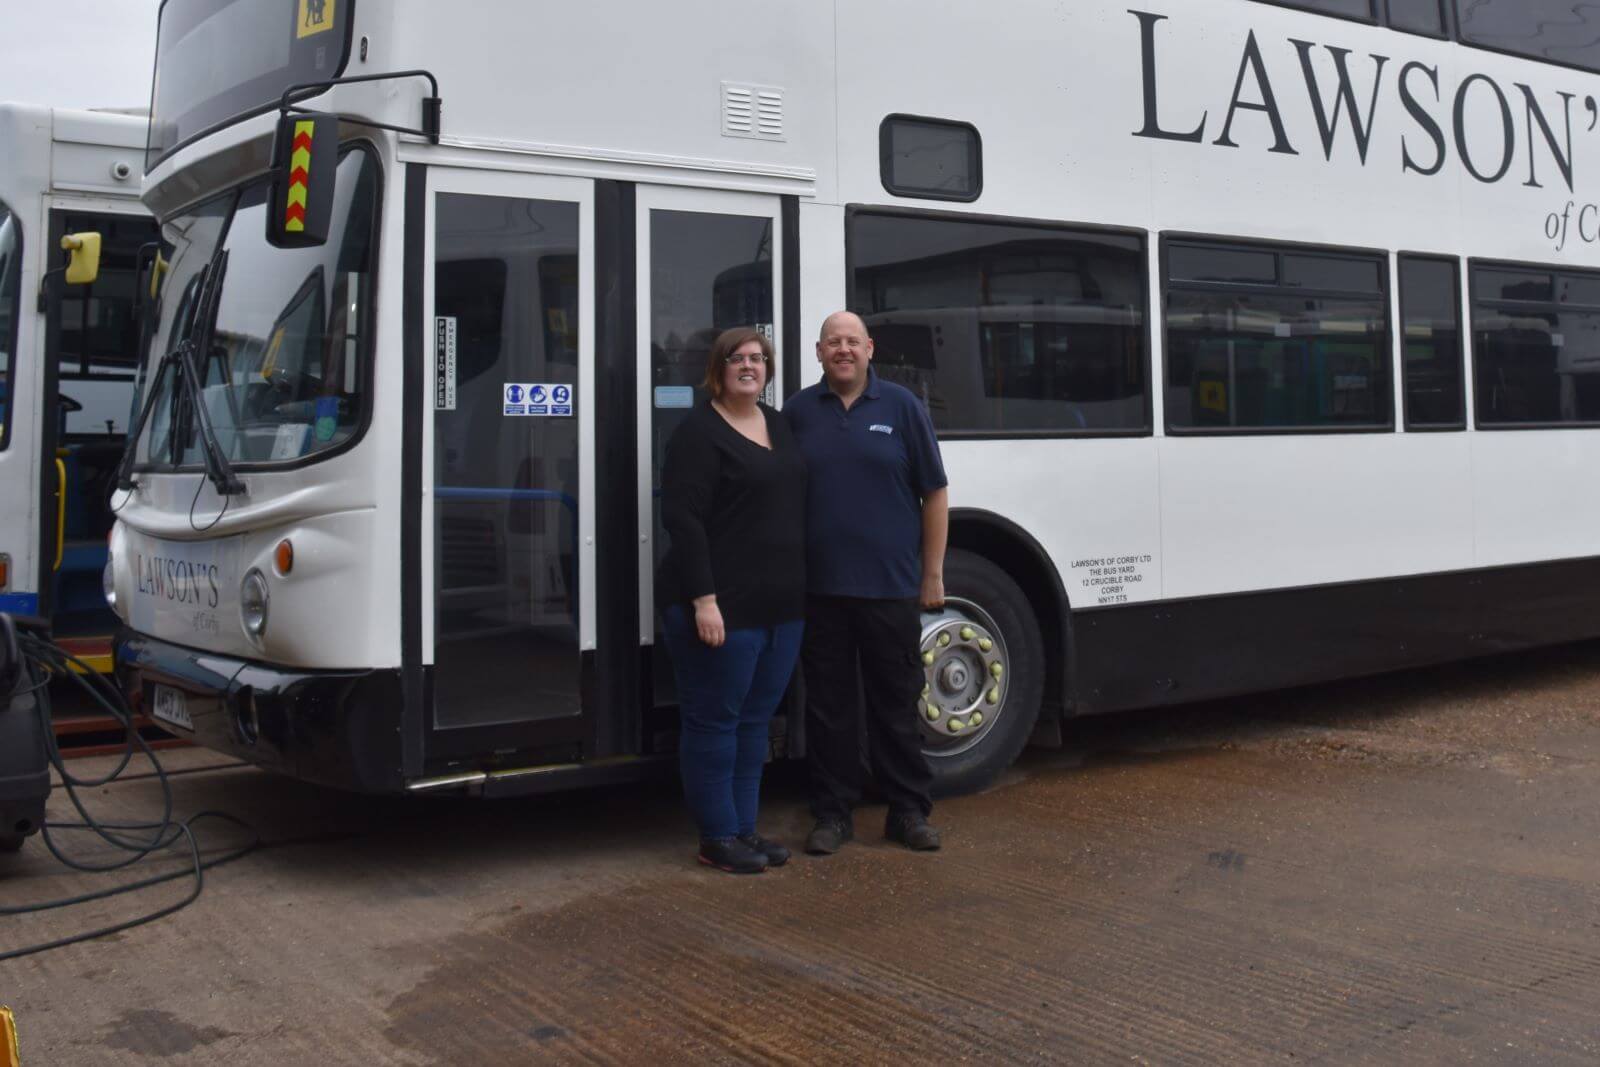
(97, 344)
(10, 284)
(1348, 9)
(1536, 347)
(1417, 16)
(930, 158)
(1430, 331)
(1306, 350)
(1557, 31)
(1005, 327)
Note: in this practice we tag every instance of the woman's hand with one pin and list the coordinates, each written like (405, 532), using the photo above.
(708, 621)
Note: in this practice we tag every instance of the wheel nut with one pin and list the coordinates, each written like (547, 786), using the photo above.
(956, 726)
(927, 659)
(984, 644)
(931, 712)
(993, 695)
(967, 632)
(997, 669)
(926, 689)
(977, 718)
(944, 640)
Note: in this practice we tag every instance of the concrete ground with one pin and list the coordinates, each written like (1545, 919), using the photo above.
(1398, 870)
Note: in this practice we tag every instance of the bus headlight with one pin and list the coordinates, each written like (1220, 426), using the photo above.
(108, 584)
(253, 603)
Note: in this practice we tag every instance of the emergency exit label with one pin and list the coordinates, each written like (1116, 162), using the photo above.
(539, 399)
(444, 363)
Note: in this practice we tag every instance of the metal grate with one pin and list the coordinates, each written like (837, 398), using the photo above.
(752, 111)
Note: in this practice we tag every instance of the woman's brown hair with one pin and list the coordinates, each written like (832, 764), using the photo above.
(727, 343)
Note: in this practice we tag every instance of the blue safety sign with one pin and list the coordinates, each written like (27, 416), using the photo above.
(541, 399)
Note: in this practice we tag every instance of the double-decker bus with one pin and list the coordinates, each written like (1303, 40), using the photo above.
(68, 351)
(1262, 340)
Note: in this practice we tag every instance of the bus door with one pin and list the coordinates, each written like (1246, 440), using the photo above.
(508, 512)
(92, 345)
(707, 262)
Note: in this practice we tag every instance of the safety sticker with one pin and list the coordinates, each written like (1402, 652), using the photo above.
(541, 399)
(444, 363)
(316, 16)
(674, 396)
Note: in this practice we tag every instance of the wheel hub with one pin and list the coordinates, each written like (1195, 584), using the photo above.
(964, 678)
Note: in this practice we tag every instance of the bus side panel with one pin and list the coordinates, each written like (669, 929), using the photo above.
(1533, 494)
(1200, 649)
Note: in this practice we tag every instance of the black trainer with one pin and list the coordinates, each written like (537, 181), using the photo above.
(912, 830)
(828, 836)
(731, 855)
(776, 854)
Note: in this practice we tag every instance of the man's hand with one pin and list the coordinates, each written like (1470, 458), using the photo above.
(932, 591)
(708, 621)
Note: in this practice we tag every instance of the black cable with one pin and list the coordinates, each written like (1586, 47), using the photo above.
(51, 662)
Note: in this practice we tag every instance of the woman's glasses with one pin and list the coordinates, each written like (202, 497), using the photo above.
(737, 358)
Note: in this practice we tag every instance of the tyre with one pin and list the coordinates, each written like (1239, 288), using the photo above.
(983, 665)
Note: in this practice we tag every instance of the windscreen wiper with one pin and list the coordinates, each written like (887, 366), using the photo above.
(130, 447)
(218, 469)
(202, 326)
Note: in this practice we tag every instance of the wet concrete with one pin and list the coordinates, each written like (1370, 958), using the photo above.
(1402, 869)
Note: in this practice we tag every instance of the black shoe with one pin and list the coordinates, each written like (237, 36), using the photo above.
(776, 854)
(912, 830)
(731, 855)
(828, 836)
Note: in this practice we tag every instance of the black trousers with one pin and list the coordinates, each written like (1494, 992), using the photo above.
(877, 642)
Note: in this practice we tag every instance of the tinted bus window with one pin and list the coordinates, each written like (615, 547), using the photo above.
(219, 59)
(1560, 31)
(930, 158)
(1537, 363)
(1005, 327)
(1350, 9)
(99, 322)
(1304, 347)
(10, 285)
(1430, 310)
(1417, 16)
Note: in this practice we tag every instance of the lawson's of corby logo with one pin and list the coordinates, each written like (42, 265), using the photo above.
(1491, 130)
(177, 580)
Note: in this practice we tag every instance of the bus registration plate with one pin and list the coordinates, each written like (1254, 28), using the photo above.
(170, 706)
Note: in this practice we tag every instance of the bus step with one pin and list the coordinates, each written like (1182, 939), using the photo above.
(89, 734)
(95, 652)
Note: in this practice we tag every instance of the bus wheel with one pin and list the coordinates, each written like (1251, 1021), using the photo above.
(983, 675)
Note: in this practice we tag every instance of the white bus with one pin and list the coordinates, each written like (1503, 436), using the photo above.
(1263, 342)
(67, 356)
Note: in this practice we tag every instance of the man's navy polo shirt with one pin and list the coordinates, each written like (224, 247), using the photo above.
(867, 470)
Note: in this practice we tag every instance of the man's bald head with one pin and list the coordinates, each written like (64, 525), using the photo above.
(842, 321)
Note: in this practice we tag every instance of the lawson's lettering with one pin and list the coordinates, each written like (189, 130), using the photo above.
(177, 580)
(1485, 125)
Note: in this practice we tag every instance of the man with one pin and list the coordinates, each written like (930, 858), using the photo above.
(876, 524)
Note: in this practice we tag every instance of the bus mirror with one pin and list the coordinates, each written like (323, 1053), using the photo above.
(85, 264)
(305, 159)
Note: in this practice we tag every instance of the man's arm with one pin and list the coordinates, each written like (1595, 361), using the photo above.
(935, 534)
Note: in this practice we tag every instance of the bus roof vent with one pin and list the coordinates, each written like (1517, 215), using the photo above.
(752, 111)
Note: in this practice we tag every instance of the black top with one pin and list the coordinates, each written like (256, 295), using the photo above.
(735, 516)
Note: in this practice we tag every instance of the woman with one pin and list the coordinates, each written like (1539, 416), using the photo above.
(732, 590)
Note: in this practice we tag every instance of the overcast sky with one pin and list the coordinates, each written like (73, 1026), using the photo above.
(77, 53)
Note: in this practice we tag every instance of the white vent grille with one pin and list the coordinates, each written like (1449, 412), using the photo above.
(752, 111)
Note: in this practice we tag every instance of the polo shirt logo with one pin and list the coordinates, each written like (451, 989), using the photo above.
(879, 427)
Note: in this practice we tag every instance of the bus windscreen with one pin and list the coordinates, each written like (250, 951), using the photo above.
(219, 60)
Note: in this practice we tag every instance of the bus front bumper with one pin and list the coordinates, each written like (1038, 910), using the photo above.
(337, 728)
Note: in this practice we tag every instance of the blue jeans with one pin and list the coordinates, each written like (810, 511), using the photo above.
(726, 697)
